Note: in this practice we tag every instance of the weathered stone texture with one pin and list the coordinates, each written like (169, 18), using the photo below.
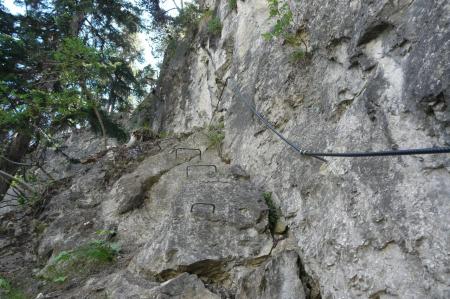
(376, 77)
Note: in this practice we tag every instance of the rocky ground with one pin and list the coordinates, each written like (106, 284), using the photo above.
(183, 225)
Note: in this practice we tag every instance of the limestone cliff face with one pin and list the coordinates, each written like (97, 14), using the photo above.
(376, 77)
(196, 221)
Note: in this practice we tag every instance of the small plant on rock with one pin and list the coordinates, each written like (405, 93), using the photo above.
(298, 55)
(7, 291)
(283, 28)
(80, 261)
(214, 26)
(216, 135)
(283, 15)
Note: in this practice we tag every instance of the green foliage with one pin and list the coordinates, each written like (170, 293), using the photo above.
(7, 291)
(4, 284)
(80, 261)
(189, 18)
(77, 61)
(63, 58)
(60, 279)
(298, 55)
(274, 212)
(112, 128)
(177, 30)
(283, 28)
(232, 4)
(181, 29)
(216, 135)
(98, 251)
(214, 26)
(283, 15)
(62, 256)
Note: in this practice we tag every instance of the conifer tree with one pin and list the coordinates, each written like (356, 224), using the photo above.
(62, 63)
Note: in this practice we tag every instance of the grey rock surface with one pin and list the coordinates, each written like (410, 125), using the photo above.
(210, 222)
(376, 77)
(129, 191)
(185, 286)
(125, 285)
(278, 278)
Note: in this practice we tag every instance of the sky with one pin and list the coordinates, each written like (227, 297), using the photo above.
(143, 37)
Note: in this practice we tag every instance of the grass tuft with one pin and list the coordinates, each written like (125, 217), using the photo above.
(216, 135)
(80, 261)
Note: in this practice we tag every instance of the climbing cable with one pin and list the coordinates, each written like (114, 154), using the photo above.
(318, 155)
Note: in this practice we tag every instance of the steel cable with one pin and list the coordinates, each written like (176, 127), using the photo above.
(318, 155)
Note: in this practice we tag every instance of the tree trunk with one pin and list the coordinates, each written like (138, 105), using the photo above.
(90, 98)
(15, 152)
(102, 126)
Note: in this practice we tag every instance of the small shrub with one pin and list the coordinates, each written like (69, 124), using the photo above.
(214, 26)
(283, 28)
(216, 135)
(274, 212)
(283, 15)
(232, 4)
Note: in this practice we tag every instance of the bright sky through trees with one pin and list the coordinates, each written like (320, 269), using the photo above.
(144, 38)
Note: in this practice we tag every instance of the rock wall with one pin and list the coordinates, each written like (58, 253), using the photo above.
(181, 217)
(376, 77)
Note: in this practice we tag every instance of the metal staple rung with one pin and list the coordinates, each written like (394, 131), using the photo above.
(188, 149)
(202, 165)
(204, 204)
